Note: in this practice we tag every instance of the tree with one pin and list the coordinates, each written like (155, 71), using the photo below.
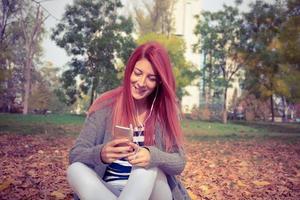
(206, 45)
(184, 71)
(220, 38)
(95, 36)
(158, 17)
(40, 96)
(10, 74)
(49, 75)
(32, 30)
(20, 38)
(288, 46)
(264, 71)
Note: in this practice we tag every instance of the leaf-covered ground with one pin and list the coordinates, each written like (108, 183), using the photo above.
(33, 167)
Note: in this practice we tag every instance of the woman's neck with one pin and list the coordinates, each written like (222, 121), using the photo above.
(141, 105)
(141, 111)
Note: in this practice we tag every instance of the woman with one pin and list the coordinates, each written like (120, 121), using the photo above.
(105, 167)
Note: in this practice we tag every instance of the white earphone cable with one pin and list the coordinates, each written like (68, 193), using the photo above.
(151, 109)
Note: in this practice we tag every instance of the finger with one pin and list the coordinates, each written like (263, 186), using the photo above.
(122, 149)
(143, 164)
(118, 141)
(133, 156)
(134, 146)
(116, 156)
(138, 162)
(136, 158)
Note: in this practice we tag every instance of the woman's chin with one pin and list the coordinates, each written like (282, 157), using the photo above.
(138, 97)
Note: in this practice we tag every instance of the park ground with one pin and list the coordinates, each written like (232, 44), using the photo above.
(235, 161)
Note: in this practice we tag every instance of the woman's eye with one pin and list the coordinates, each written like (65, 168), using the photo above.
(137, 73)
(153, 79)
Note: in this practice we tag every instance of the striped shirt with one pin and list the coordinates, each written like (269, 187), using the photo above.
(117, 173)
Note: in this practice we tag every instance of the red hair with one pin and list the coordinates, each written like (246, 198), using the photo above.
(165, 110)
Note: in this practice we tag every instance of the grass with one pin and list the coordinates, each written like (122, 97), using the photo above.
(55, 124)
(65, 124)
(200, 130)
(58, 119)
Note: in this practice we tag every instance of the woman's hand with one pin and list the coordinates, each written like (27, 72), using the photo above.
(112, 150)
(140, 157)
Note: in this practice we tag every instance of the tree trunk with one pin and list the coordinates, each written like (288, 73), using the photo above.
(27, 72)
(284, 111)
(209, 95)
(224, 116)
(92, 92)
(272, 108)
(204, 81)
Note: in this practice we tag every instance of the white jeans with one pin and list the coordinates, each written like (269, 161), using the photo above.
(143, 184)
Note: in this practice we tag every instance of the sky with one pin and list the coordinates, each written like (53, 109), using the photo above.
(58, 56)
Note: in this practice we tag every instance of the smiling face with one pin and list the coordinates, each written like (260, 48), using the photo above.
(143, 80)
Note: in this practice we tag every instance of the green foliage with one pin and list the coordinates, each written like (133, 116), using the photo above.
(94, 35)
(289, 46)
(184, 71)
(261, 27)
(40, 97)
(272, 50)
(44, 91)
(50, 76)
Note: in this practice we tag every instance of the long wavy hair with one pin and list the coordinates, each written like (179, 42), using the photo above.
(165, 110)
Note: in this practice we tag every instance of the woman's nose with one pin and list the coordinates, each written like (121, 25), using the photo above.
(142, 81)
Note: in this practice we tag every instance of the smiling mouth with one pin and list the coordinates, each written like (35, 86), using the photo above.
(139, 91)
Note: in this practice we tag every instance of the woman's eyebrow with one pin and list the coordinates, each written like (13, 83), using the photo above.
(153, 75)
(138, 69)
(143, 71)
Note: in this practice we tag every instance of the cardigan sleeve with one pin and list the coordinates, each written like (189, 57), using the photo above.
(87, 147)
(170, 163)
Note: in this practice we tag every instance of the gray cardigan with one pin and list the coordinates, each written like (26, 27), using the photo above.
(96, 132)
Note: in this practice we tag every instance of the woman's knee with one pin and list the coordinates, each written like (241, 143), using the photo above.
(74, 169)
(161, 189)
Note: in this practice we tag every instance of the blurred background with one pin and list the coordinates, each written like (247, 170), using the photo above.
(233, 60)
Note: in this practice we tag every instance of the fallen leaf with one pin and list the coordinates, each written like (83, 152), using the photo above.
(212, 165)
(5, 184)
(261, 183)
(192, 195)
(243, 164)
(40, 151)
(32, 173)
(58, 195)
(241, 184)
(205, 189)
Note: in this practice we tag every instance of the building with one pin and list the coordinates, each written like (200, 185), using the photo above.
(184, 24)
